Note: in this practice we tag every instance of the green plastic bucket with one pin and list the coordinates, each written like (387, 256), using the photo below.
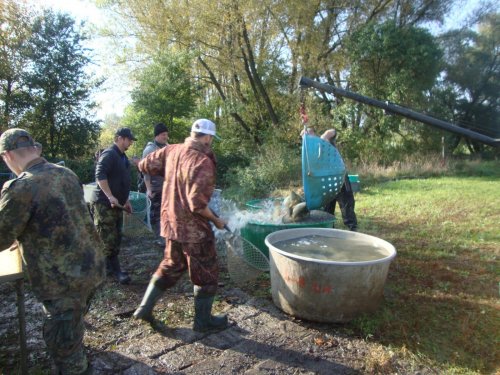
(354, 180)
(256, 233)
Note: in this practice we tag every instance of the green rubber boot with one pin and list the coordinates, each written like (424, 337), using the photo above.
(203, 319)
(145, 310)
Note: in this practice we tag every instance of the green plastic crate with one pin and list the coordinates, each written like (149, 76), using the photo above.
(256, 233)
(354, 180)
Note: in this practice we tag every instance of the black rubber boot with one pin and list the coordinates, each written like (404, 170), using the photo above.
(203, 319)
(145, 310)
(109, 268)
(123, 277)
(89, 370)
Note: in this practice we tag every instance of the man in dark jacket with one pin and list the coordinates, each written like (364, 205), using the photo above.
(189, 170)
(112, 175)
(43, 213)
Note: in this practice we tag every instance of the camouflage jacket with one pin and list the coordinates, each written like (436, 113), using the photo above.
(189, 171)
(43, 209)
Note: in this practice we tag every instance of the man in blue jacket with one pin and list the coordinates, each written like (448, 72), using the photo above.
(154, 184)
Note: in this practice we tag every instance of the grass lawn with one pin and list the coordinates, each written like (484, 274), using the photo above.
(442, 299)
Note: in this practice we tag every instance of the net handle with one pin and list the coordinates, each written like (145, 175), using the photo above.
(305, 120)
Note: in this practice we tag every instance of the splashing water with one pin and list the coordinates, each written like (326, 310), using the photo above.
(269, 212)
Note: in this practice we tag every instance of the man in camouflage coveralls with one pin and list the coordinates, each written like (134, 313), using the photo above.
(189, 170)
(154, 184)
(42, 212)
(112, 175)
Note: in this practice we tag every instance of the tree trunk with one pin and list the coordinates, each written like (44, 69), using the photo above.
(218, 87)
(255, 75)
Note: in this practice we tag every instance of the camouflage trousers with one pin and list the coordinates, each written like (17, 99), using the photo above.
(108, 222)
(63, 330)
(199, 259)
(155, 212)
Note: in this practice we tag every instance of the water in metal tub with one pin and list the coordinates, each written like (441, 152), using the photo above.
(333, 249)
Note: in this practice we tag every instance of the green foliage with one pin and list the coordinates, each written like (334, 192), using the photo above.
(274, 166)
(165, 91)
(45, 88)
(83, 168)
(469, 90)
(478, 168)
(392, 63)
(247, 58)
(59, 88)
(15, 29)
(142, 127)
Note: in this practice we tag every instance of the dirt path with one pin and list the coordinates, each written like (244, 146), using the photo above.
(260, 340)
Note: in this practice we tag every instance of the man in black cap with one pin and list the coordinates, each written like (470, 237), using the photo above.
(112, 175)
(153, 184)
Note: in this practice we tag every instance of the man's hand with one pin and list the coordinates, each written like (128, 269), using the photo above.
(150, 193)
(219, 223)
(128, 207)
(207, 213)
(113, 200)
(135, 160)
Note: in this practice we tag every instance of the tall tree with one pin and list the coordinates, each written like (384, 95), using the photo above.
(396, 64)
(15, 29)
(251, 53)
(472, 77)
(60, 88)
(165, 90)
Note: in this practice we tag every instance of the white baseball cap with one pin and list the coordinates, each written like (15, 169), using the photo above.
(204, 126)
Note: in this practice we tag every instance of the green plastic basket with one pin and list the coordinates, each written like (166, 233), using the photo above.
(141, 206)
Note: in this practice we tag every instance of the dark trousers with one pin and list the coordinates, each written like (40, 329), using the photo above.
(155, 212)
(345, 198)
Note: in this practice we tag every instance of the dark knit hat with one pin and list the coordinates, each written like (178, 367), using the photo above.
(160, 128)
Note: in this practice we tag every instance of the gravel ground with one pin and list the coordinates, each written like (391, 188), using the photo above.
(260, 340)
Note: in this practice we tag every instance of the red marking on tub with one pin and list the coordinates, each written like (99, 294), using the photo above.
(301, 282)
(321, 289)
(327, 289)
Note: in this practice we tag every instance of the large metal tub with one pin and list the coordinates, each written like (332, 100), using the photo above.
(326, 291)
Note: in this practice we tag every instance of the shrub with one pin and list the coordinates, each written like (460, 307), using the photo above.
(275, 166)
(84, 169)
